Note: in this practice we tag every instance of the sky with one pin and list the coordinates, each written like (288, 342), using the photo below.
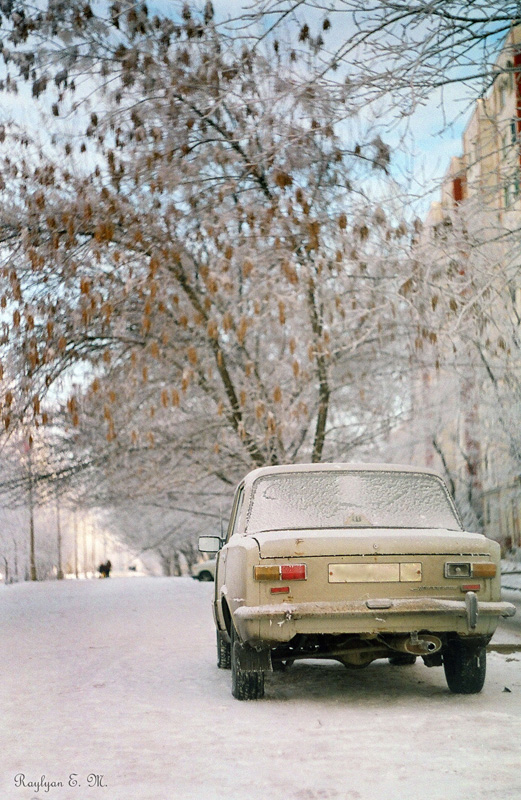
(423, 143)
(426, 141)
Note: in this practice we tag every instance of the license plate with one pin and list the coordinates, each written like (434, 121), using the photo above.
(375, 573)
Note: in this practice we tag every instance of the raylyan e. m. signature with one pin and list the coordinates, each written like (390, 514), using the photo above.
(73, 780)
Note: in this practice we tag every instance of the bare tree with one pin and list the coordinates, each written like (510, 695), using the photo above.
(207, 264)
(197, 278)
(394, 51)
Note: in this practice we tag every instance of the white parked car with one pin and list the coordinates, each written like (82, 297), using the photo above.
(355, 563)
(205, 570)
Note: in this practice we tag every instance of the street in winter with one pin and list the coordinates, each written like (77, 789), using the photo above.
(114, 684)
(260, 313)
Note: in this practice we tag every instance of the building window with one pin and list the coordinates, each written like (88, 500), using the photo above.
(458, 191)
(510, 69)
(490, 465)
(515, 521)
(506, 195)
(502, 95)
(508, 523)
(513, 131)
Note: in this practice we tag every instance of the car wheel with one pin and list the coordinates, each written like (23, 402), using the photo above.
(465, 667)
(246, 684)
(205, 576)
(224, 652)
(402, 659)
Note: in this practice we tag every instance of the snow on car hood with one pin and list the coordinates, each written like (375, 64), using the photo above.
(376, 541)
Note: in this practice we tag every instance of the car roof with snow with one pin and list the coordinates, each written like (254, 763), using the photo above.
(335, 467)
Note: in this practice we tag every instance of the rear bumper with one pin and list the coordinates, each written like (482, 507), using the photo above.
(279, 623)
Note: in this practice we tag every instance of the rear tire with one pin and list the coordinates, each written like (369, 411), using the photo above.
(465, 667)
(224, 652)
(246, 684)
(205, 576)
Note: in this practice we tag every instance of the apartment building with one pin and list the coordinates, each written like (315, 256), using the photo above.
(488, 169)
(482, 188)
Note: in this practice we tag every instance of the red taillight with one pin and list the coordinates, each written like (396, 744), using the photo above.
(293, 572)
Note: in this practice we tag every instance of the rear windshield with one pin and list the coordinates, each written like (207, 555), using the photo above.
(301, 500)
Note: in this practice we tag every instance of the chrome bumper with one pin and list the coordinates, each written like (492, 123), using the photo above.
(469, 607)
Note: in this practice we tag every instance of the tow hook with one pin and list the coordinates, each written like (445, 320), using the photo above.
(471, 604)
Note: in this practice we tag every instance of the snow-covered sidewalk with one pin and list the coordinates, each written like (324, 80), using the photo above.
(117, 678)
(511, 575)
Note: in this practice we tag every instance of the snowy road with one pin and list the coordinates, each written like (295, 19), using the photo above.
(117, 679)
(513, 624)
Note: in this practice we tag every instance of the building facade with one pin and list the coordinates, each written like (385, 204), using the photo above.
(481, 193)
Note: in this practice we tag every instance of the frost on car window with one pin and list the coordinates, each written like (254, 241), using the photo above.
(349, 500)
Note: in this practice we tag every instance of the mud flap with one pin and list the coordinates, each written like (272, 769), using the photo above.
(434, 660)
(251, 660)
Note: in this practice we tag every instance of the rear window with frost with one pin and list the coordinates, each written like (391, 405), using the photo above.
(349, 500)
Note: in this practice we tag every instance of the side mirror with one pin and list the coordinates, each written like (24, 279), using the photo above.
(210, 544)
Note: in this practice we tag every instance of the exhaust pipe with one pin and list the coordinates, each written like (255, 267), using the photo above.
(416, 645)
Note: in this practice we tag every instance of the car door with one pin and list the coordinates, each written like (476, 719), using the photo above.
(220, 570)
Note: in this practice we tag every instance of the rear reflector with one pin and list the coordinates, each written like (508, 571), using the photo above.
(470, 587)
(279, 590)
(286, 572)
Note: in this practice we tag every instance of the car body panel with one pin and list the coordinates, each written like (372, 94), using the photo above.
(361, 580)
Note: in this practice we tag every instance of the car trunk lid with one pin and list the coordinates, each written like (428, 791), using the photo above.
(364, 542)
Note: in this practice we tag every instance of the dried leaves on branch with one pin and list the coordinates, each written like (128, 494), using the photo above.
(396, 52)
(189, 280)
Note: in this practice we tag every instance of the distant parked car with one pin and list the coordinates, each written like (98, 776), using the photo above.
(205, 571)
(354, 563)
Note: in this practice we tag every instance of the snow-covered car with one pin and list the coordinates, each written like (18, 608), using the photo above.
(353, 563)
(205, 570)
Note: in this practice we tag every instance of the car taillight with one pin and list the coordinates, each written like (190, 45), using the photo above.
(484, 570)
(467, 569)
(266, 573)
(293, 572)
(286, 572)
(458, 569)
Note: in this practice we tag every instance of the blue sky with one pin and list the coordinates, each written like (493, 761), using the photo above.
(433, 131)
